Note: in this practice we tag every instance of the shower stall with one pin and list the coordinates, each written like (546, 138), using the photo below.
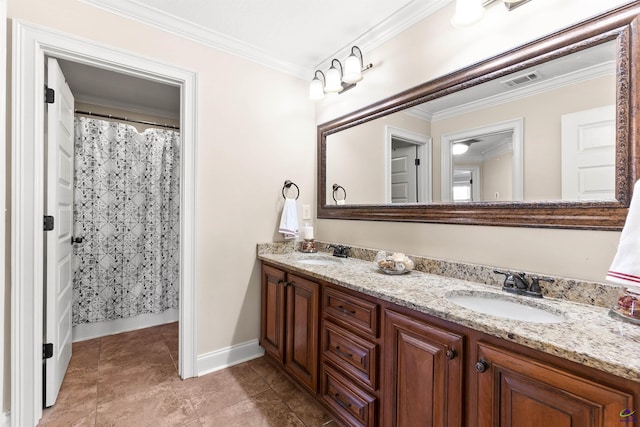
(126, 222)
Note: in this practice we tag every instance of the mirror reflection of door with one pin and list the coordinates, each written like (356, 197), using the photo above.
(405, 164)
(589, 154)
(408, 166)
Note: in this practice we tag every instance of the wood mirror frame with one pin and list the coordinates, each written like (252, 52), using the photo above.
(619, 25)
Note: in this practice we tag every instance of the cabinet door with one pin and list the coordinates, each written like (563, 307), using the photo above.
(273, 315)
(302, 330)
(422, 374)
(518, 391)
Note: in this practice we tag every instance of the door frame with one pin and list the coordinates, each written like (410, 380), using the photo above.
(425, 174)
(31, 43)
(446, 162)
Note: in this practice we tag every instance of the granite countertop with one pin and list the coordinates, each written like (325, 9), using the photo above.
(588, 335)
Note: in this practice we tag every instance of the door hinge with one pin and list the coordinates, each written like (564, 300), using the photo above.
(417, 162)
(48, 223)
(49, 95)
(47, 351)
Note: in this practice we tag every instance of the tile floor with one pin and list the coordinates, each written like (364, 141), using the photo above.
(131, 379)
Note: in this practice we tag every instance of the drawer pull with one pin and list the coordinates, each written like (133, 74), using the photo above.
(346, 311)
(342, 353)
(482, 366)
(451, 353)
(345, 405)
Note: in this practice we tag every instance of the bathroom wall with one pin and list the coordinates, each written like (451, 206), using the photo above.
(433, 48)
(251, 137)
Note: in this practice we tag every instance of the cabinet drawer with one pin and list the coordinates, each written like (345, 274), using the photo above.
(354, 355)
(358, 313)
(355, 406)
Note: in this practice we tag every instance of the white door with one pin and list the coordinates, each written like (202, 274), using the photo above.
(59, 250)
(403, 174)
(589, 154)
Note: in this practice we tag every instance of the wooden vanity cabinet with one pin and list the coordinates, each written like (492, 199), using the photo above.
(289, 326)
(423, 373)
(516, 390)
(383, 365)
(349, 364)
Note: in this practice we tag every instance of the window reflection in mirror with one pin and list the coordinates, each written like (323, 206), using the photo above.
(545, 97)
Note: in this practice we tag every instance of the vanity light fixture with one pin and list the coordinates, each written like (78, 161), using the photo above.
(316, 88)
(337, 77)
(334, 78)
(353, 66)
(471, 11)
(467, 12)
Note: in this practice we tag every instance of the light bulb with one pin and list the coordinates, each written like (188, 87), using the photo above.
(467, 12)
(333, 83)
(352, 69)
(316, 91)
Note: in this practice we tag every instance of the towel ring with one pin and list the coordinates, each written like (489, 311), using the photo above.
(288, 184)
(337, 187)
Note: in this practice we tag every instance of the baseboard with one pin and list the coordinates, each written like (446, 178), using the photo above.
(5, 419)
(229, 356)
(87, 331)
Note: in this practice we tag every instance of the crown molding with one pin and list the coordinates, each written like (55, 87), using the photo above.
(390, 27)
(395, 24)
(601, 70)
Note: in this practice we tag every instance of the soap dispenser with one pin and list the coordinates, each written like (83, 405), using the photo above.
(308, 245)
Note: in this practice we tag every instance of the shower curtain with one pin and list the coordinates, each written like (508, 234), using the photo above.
(126, 208)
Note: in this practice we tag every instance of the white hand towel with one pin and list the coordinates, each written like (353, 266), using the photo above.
(625, 268)
(289, 219)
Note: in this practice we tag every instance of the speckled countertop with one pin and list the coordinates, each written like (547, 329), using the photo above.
(587, 336)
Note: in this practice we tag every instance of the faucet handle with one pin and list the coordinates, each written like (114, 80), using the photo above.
(509, 281)
(535, 284)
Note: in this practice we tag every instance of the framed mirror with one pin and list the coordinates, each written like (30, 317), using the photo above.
(544, 135)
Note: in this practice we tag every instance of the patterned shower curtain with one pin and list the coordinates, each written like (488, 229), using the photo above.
(126, 207)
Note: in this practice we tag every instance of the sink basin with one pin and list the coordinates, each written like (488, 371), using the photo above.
(505, 308)
(318, 260)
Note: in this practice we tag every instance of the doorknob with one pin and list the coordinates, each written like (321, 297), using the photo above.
(76, 239)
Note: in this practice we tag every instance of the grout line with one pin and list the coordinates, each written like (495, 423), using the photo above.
(95, 421)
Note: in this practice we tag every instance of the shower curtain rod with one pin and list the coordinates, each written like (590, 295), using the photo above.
(110, 116)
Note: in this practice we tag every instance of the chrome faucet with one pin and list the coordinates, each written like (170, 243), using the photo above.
(517, 283)
(339, 250)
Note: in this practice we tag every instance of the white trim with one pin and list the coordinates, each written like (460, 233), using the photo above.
(30, 45)
(5, 419)
(516, 126)
(3, 207)
(228, 356)
(88, 331)
(601, 70)
(404, 18)
(425, 174)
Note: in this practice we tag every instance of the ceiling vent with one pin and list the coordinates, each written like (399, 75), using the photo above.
(522, 79)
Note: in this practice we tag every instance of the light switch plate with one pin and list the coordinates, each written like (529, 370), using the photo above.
(306, 211)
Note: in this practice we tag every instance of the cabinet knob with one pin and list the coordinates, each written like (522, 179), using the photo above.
(451, 353)
(482, 366)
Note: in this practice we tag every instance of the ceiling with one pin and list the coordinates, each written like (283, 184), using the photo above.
(293, 36)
